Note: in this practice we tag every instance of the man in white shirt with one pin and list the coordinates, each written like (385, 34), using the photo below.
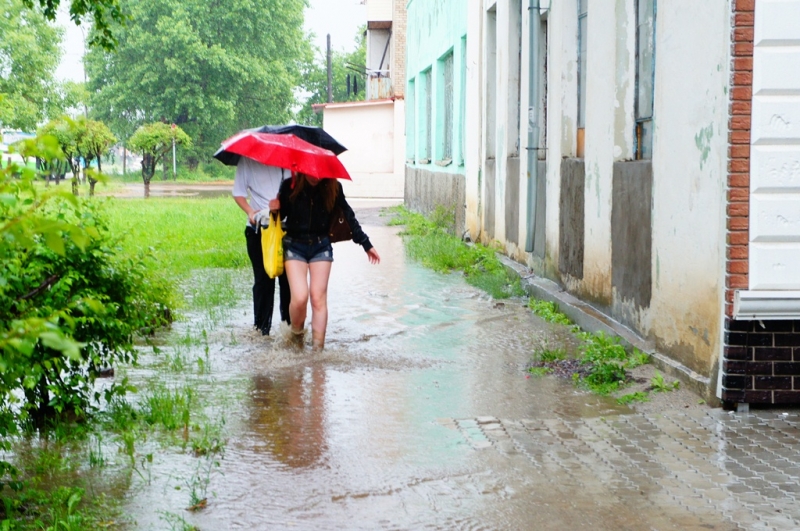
(261, 183)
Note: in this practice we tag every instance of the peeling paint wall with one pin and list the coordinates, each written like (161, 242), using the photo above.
(681, 312)
(689, 181)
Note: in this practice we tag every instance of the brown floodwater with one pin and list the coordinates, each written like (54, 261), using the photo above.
(419, 414)
(376, 432)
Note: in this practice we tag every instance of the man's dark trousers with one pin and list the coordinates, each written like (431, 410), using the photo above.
(264, 287)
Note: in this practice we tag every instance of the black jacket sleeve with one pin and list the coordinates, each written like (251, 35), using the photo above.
(283, 196)
(359, 236)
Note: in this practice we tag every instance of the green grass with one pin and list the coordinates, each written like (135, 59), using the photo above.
(630, 398)
(608, 362)
(182, 234)
(659, 385)
(429, 240)
(551, 355)
(548, 311)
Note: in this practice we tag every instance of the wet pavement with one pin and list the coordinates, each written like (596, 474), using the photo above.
(419, 415)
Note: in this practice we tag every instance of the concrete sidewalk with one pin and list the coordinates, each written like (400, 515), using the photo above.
(703, 470)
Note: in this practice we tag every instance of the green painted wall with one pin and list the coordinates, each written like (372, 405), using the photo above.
(436, 29)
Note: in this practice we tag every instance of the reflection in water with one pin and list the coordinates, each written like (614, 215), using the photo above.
(387, 428)
(289, 413)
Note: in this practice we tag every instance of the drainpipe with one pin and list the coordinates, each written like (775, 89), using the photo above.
(533, 120)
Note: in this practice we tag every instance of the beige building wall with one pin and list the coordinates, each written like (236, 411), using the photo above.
(367, 129)
(379, 10)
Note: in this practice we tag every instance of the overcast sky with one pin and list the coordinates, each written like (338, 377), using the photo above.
(340, 18)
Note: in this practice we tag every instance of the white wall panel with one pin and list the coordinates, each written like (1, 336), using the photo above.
(775, 148)
(779, 70)
(777, 20)
(775, 218)
(776, 119)
(774, 266)
(775, 169)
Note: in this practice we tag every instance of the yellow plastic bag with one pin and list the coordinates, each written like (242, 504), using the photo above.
(272, 246)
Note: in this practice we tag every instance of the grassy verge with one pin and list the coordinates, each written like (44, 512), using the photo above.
(73, 475)
(430, 241)
(183, 234)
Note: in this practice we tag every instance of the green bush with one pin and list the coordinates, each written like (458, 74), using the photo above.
(70, 302)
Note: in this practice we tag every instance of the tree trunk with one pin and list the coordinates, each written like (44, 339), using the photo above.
(148, 170)
(124, 160)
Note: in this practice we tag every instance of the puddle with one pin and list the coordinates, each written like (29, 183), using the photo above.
(372, 433)
(358, 435)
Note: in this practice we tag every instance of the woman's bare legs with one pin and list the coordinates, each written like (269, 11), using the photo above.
(318, 286)
(297, 272)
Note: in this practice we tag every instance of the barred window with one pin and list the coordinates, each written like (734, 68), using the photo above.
(428, 116)
(411, 125)
(463, 101)
(447, 108)
(645, 76)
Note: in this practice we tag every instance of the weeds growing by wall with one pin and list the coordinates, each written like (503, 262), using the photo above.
(429, 240)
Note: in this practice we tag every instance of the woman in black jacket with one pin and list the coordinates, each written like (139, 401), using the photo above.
(307, 204)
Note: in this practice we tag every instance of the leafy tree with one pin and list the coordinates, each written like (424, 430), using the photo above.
(154, 141)
(29, 55)
(343, 64)
(103, 13)
(95, 141)
(67, 134)
(213, 68)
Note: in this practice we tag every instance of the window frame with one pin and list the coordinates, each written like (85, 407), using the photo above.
(445, 109)
(583, 18)
(411, 121)
(643, 149)
(426, 125)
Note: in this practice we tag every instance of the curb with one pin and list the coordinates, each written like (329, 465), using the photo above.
(591, 319)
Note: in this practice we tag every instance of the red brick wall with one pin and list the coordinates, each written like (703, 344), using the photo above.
(739, 150)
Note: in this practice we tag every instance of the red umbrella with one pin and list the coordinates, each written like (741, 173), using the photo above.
(286, 151)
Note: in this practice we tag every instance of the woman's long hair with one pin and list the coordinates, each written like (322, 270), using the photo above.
(329, 187)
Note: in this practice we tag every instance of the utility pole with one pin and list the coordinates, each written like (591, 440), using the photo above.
(330, 73)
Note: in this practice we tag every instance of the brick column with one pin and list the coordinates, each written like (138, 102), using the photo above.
(739, 150)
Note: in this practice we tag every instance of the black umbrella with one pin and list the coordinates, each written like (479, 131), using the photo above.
(313, 135)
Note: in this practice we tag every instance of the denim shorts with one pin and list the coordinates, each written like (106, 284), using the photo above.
(319, 250)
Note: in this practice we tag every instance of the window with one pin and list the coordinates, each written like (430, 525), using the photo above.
(428, 116)
(515, 77)
(582, 41)
(447, 109)
(645, 76)
(463, 101)
(490, 89)
(411, 126)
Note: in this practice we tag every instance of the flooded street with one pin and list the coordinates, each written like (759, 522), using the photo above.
(419, 415)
